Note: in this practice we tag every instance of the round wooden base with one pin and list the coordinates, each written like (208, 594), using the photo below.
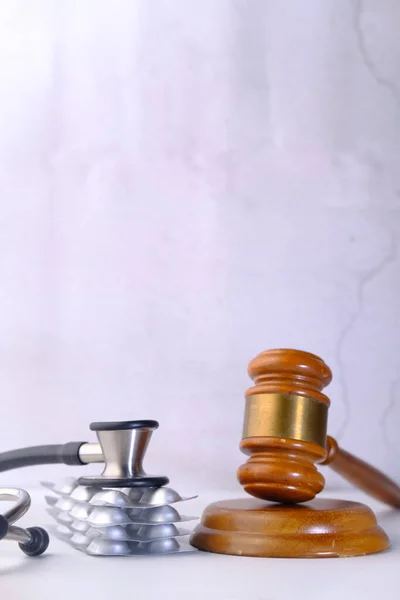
(321, 528)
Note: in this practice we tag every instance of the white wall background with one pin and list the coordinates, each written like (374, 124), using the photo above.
(182, 185)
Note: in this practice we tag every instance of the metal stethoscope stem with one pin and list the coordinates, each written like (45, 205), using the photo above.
(90, 453)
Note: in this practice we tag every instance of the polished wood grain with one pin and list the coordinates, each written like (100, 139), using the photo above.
(319, 529)
(289, 371)
(362, 475)
(283, 469)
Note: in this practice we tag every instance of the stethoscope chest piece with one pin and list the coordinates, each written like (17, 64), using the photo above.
(123, 445)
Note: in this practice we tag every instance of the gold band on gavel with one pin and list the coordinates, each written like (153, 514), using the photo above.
(286, 416)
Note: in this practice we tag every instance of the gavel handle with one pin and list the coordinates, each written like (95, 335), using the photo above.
(362, 475)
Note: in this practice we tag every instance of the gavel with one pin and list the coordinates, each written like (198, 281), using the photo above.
(285, 433)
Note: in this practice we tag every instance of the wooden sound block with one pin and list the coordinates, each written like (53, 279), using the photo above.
(321, 528)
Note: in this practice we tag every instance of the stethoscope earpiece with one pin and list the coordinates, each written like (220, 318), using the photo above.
(33, 541)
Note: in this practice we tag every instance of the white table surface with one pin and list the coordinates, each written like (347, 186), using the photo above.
(64, 573)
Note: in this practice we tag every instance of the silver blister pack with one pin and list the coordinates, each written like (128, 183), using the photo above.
(118, 522)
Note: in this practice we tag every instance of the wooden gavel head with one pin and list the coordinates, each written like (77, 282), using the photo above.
(285, 426)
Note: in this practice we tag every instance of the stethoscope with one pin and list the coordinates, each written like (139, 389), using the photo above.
(121, 447)
(32, 541)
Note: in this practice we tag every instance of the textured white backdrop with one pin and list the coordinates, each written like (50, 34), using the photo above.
(184, 183)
